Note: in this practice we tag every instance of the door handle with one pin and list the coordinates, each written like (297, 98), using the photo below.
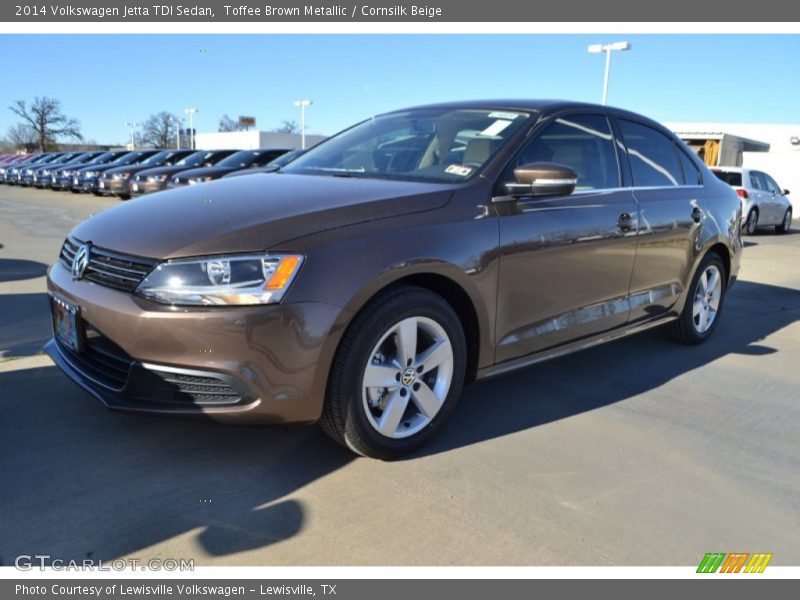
(625, 222)
(697, 214)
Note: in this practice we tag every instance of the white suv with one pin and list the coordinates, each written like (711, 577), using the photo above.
(764, 203)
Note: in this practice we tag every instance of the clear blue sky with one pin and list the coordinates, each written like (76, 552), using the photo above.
(106, 80)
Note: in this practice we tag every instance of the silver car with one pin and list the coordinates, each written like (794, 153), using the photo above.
(764, 203)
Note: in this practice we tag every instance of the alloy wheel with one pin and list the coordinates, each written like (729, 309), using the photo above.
(408, 377)
(707, 296)
(752, 222)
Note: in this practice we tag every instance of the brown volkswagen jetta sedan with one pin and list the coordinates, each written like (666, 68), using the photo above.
(365, 282)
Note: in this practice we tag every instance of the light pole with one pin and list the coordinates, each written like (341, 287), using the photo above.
(608, 49)
(303, 104)
(190, 111)
(132, 127)
(178, 122)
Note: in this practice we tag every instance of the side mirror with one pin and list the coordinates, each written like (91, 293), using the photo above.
(543, 179)
(785, 192)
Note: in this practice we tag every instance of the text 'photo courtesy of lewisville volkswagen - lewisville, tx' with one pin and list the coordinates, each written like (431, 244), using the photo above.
(430, 302)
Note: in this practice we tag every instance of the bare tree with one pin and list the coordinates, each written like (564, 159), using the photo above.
(159, 131)
(228, 124)
(23, 137)
(44, 116)
(287, 126)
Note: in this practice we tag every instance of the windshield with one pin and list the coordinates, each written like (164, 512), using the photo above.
(244, 158)
(126, 159)
(194, 160)
(103, 158)
(730, 177)
(158, 158)
(440, 145)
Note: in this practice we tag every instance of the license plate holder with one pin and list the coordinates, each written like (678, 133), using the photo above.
(68, 324)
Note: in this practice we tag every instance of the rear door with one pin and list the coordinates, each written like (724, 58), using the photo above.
(669, 210)
(763, 199)
(566, 261)
(778, 204)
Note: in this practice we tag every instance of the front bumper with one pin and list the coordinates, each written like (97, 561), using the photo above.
(85, 184)
(147, 187)
(275, 357)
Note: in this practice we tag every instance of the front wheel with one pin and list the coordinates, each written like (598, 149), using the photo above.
(786, 225)
(398, 373)
(704, 303)
(751, 225)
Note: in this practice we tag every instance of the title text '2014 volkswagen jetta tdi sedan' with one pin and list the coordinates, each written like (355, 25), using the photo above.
(366, 281)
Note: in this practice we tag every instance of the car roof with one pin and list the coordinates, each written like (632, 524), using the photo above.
(544, 106)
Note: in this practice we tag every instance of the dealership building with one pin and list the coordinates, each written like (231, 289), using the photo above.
(773, 148)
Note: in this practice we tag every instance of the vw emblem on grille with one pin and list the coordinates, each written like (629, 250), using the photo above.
(81, 260)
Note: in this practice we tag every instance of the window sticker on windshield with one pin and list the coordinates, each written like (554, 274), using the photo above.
(503, 115)
(459, 170)
(496, 127)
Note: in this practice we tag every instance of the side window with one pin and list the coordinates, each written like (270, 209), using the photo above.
(757, 181)
(772, 186)
(691, 174)
(582, 142)
(653, 156)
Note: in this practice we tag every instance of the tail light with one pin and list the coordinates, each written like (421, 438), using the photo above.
(743, 194)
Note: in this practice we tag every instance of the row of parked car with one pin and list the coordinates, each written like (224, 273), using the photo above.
(132, 173)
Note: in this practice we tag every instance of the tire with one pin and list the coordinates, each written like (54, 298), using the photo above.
(702, 302)
(388, 421)
(786, 225)
(751, 224)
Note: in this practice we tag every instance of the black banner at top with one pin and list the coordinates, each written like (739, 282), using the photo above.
(49, 11)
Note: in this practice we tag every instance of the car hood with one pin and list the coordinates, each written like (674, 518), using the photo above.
(206, 171)
(100, 167)
(76, 166)
(162, 171)
(126, 169)
(246, 214)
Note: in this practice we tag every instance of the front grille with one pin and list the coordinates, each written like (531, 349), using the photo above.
(183, 388)
(109, 268)
(101, 360)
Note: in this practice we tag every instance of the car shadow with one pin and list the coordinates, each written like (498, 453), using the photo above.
(80, 482)
(16, 269)
(613, 372)
(25, 324)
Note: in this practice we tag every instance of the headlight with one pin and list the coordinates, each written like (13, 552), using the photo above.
(157, 178)
(91, 173)
(222, 280)
(120, 176)
(194, 180)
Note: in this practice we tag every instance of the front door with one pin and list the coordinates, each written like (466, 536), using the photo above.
(566, 261)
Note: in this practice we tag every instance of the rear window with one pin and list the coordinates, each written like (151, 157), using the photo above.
(730, 177)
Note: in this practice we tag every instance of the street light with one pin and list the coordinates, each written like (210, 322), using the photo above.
(608, 49)
(303, 104)
(190, 111)
(178, 122)
(132, 127)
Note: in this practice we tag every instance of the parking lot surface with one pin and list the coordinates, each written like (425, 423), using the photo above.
(639, 452)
